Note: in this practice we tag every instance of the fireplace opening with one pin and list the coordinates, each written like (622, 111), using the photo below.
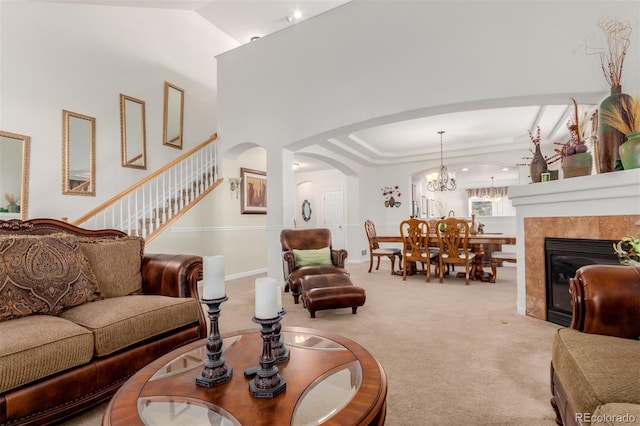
(563, 257)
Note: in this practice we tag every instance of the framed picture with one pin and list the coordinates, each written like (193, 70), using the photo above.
(253, 193)
(481, 208)
(425, 207)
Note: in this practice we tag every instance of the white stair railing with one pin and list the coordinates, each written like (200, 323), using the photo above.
(157, 200)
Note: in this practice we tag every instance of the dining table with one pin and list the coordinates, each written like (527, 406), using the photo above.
(477, 244)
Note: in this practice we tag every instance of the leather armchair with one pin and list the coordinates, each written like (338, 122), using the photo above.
(606, 313)
(307, 239)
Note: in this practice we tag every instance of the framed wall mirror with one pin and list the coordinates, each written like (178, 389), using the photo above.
(173, 115)
(133, 133)
(78, 154)
(14, 175)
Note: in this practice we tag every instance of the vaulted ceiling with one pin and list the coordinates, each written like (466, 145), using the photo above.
(393, 143)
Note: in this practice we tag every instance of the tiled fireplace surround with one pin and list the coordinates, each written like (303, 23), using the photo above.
(537, 228)
(603, 206)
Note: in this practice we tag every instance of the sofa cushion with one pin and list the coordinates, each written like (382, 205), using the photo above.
(116, 263)
(595, 370)
(311, 257)
(40, 345)
(43, 274)
(118, 322)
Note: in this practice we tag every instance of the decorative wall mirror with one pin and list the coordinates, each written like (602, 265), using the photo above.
(306, 210)
(78, 158)
(14, 175)
(133, 133)
(173, 115)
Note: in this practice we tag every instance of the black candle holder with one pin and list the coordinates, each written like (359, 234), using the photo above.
(280, 351)
(267, 382)
(215, 371)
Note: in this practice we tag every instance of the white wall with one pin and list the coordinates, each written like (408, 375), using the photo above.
(362, 64)
(78, 57)
(368, 63)
(312, 186)
(215, 226)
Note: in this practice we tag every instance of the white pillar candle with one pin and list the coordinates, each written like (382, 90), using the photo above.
(213, 274)
(279, 298)
(266, 298)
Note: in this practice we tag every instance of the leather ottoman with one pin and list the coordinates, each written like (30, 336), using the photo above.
(330, 291)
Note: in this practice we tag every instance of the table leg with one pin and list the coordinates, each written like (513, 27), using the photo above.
(480, 274)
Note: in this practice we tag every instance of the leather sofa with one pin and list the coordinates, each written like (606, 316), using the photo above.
(114, 309)
(595, 363)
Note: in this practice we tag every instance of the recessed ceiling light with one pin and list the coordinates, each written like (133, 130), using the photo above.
(465, 169)
(297, 14)
(505, 169)
(296, 165)
(254, 38)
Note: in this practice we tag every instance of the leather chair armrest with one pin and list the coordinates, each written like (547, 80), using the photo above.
(173, 275)
(338, 257)
(606, 300)
(288, 263)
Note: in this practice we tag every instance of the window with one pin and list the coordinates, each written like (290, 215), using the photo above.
(482, 208)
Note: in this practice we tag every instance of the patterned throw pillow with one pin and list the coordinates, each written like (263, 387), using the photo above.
(116, 262)
(43, 274)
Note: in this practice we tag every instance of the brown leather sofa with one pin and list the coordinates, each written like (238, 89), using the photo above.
(595, 364)
(53, 366)
(304, 240)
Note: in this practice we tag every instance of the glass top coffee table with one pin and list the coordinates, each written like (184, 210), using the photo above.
(331, 380)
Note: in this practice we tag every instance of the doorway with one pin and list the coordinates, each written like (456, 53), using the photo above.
(334, 216)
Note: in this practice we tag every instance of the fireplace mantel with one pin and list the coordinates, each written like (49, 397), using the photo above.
(602, 206)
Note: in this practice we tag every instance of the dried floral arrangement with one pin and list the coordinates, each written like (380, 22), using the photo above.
(10, 198)
(618, 35)
(625, 119)
(577, 125)
(536, 139)
(628, 250)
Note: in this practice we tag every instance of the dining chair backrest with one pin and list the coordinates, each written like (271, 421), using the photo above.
(453, 240)
(370, 229)
(415, 237)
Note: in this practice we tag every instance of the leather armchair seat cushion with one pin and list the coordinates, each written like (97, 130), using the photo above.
(595, 369)
(296, 275)
(38, 346)
(118, 322)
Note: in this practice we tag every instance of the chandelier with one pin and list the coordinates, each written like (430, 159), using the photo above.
(441, 180)
(494, 194)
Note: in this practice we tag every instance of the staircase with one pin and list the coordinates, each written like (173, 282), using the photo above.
(152, 204)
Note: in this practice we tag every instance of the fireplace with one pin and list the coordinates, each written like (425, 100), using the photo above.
(563, 256)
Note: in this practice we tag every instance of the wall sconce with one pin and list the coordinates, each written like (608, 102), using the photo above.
(234, 184)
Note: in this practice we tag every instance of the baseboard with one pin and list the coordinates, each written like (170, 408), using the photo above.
(236, 276)
(246, 274)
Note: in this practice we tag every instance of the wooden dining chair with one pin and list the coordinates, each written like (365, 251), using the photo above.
(415, 246)
(453, 242)
(375, 251)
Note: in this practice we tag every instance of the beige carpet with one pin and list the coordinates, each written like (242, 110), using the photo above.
(453, 354)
